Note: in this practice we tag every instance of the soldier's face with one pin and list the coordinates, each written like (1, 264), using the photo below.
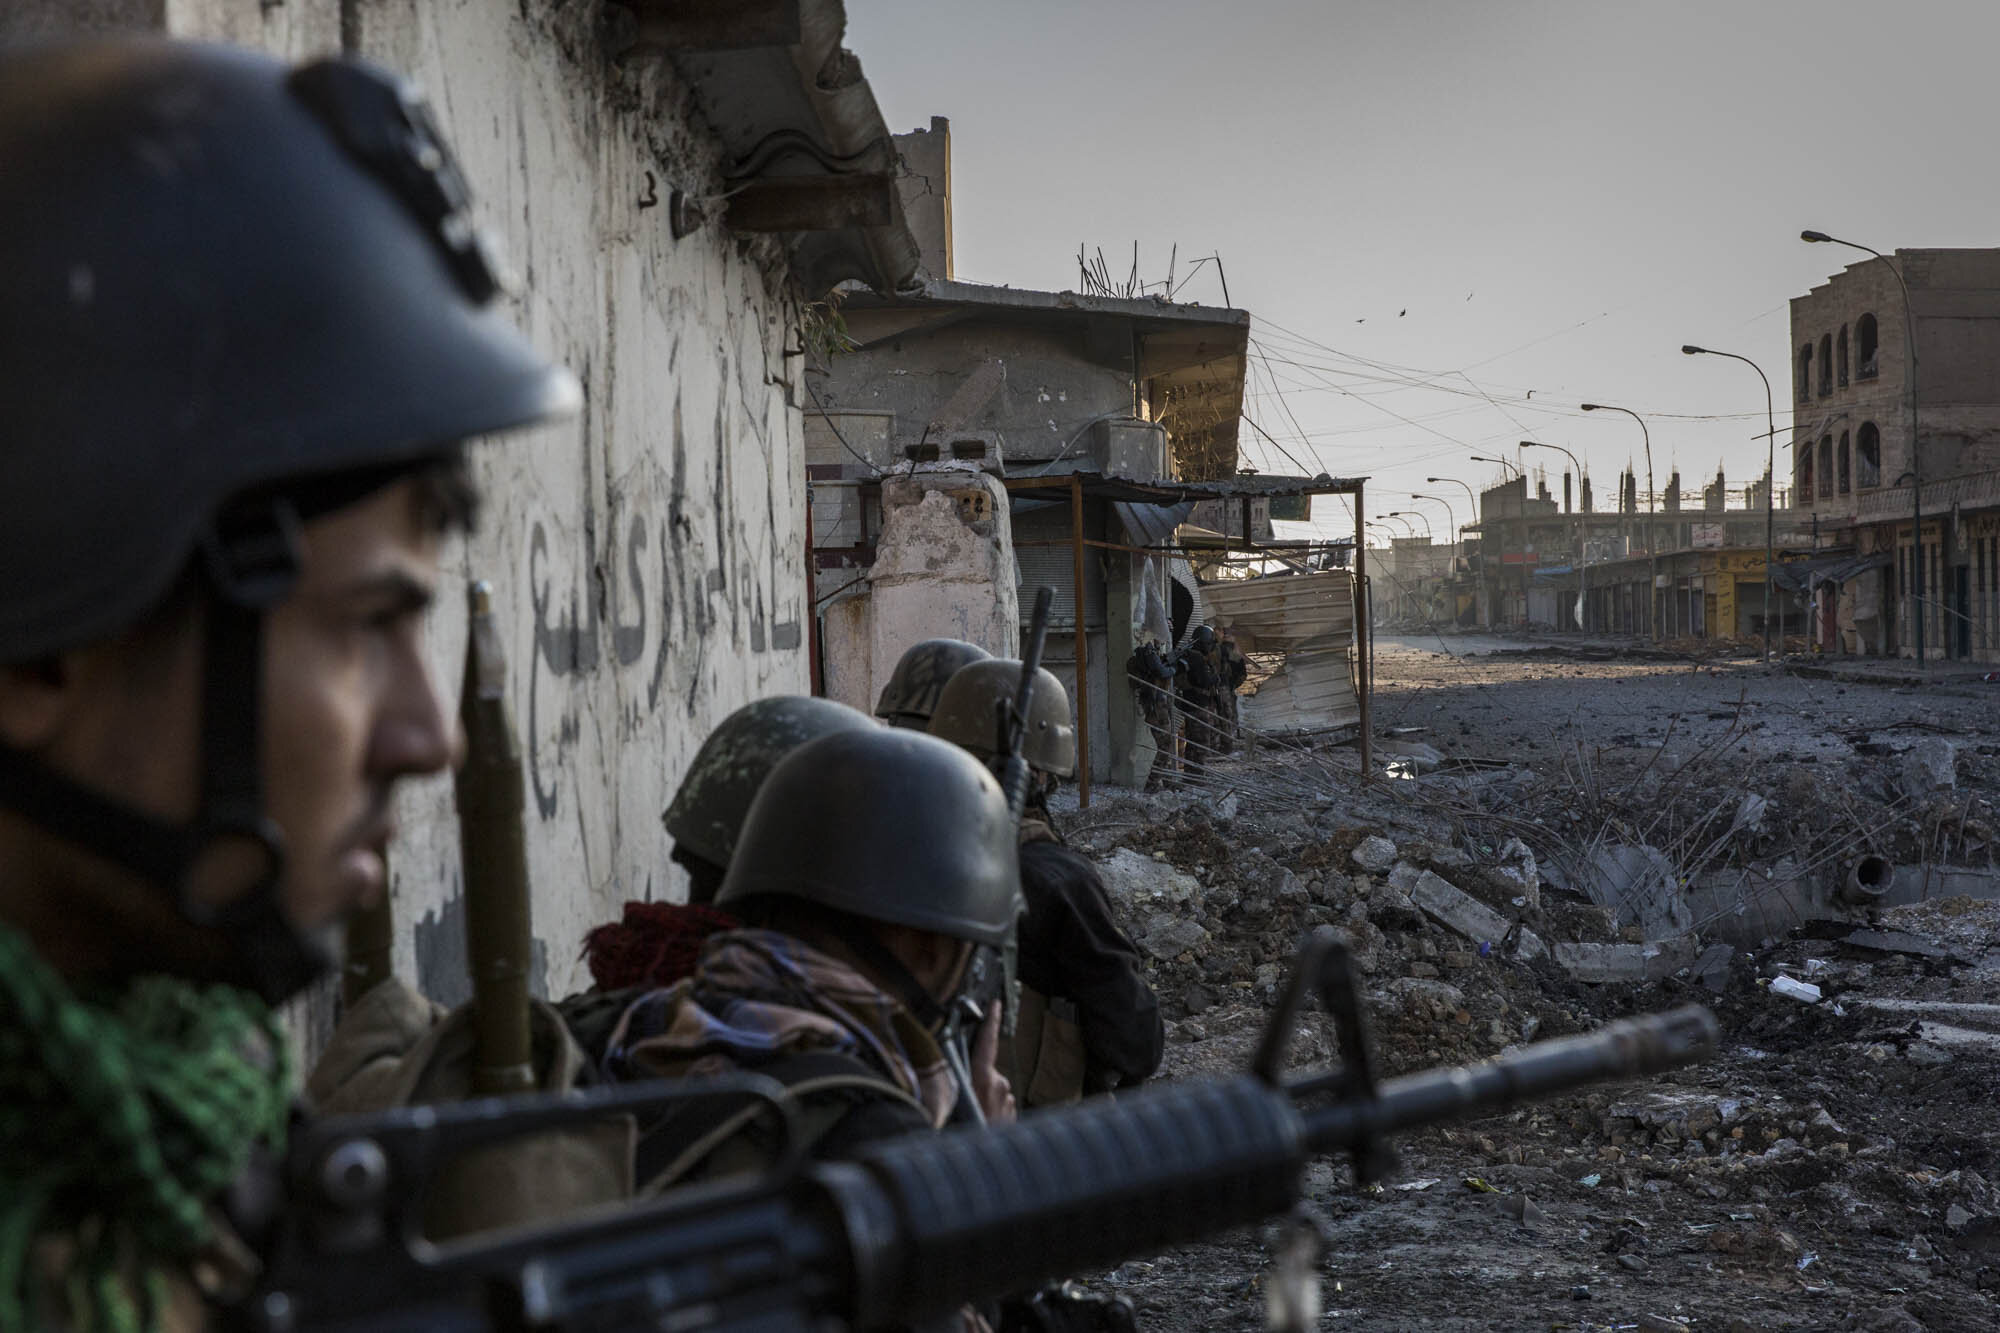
(349, 703)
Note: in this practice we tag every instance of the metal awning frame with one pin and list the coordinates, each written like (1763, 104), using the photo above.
(1081, 485)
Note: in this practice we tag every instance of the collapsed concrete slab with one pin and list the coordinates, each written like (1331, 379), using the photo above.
(1451, 906)
(1597, 963)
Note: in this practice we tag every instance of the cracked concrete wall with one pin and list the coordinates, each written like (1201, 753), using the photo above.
(647, 557)
(925, 184)
(944, 568)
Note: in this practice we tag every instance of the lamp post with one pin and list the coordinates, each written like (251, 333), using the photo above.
(1770, 475)
(1916, 459)
(1646, 435)
(1451, 543)
(1478, 574)
(1582, 547)
(1477, 458)
(1407, 514)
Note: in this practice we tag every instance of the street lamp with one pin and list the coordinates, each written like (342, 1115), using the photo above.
(1477, 458)
(1479, 573)
(1770, 475)
(1582, 540)
(1648, 436)
(1450, 513)
(1406, 514)
(1916, 460)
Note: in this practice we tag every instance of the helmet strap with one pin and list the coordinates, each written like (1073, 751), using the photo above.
(244, 575)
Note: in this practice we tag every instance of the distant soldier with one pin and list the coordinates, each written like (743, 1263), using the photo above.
(877, 879)
(1234, 669)
(656, 944)
(1152, 679)
(920, 675)
(1200, 688)
(1088, 1020)
(246, 322)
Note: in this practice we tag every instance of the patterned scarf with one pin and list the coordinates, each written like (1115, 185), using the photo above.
(758, 996)
(122, 1117)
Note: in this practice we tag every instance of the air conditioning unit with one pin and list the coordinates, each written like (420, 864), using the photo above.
(1123, 447)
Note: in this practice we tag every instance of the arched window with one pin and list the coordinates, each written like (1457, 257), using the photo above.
(1806, 475)
(1805, 373)
(1825, 364)
(1826, 467)
(1865, 336)
(1846, 470)
(1840, 357)
(1867, 457)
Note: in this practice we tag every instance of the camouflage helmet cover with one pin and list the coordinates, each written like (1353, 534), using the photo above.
(911, 695)
(706, 815)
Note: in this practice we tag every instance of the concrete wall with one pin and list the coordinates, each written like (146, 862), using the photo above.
(944, 568)
(925, 183)
(648, 557)
(1053, 387)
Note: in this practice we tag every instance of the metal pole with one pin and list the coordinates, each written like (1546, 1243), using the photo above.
(1364, 637)
(1478, 575)
(1770, 476)
(1582, 552)
(1082, 645)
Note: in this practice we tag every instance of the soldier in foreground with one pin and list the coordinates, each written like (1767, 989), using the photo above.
(234, 405)
(1088, 1022)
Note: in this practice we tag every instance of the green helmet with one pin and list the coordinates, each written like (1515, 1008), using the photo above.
(889, 825)
(911, 695)
(706, 814)
(968, 715)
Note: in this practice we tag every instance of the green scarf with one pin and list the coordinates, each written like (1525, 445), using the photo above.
(122, 1116)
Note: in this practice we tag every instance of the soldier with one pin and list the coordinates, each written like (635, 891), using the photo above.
(1088, 1021)
(921, 672)
(876, 874)
(246, 320)
(1200, 686)
(1152, 677)
(1234, 669)
(656, 944)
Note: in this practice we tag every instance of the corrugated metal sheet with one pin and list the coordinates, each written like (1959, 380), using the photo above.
(1151, 525)
(1277, 613)
(1054, 566)
(1312, 691)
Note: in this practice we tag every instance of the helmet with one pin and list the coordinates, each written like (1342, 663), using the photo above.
(707, 812)
(968, 714)
(1204, 638)
(221, 279)
(912, 692)
(891, 825)
(218, 273)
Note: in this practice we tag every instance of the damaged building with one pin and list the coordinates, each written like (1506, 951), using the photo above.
(1858, 398)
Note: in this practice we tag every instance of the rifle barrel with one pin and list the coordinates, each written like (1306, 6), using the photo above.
(489, 791)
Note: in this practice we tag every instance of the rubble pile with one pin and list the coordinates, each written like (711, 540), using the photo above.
(1835, 1167)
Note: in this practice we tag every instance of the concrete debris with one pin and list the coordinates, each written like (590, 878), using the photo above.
(1453, 907)
(1597, 962)
(1518, 874)
(1894, 941)
(1929, 767)
(1640, 887)
(1423, 758)
(1165, 935)
(1802, 991)
(1374, 854)
(1712, 968)
(1136, 880)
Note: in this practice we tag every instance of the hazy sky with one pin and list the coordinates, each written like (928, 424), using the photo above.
(1433, 208)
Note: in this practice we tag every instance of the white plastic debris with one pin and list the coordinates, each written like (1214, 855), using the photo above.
(1803, 991)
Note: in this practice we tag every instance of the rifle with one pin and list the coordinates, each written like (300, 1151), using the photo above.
(488, 789)
(911, 1228)
(1014, 721)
